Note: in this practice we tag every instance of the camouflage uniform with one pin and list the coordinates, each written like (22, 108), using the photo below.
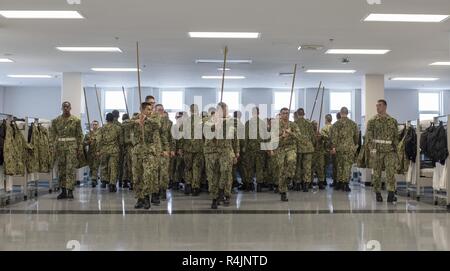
(219, 154)
(319, 158)
(345, 140)
(238, 168)
(286, 153)
(305, 150)
(109, 147)
(166, 126)
(254, 159)
(326, 133)
(382, 140)
(67, 139)
(127, 134)
(193, 152)
(91, 143)
(121, 150)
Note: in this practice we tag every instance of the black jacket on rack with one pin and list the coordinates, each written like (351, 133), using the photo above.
(411, 144)
(2, 140)
(433, 143)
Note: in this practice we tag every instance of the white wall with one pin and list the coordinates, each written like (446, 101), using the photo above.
(42, 102)
(403, 104)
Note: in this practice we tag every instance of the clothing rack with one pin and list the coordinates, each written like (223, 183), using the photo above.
(441, 194)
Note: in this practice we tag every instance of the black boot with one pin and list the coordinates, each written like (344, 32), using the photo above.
(63, 194)
(187, 189)
(306, 187)
(226, 201)
(103, 184)
(347, 188)
(391, 197)
(147, 204)
(258, 188)
(126, 184)
(270, 187)
(275, 189)
(248, 187)
(155, 199)
(284, 197)
(196, 192)
(321, 185)
(379, 197)
(337, 186)
(131, 186)
(163, 194)
(221, 196)
(120, 183)
(94, 183)
(214, 204)
(297, 186)
(175, 186)
(69, 194)
(139, 204)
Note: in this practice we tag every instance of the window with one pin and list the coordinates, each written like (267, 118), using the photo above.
(429, 105)
(173, 101)
(232, 99)
(339, 99)
(281, 99)
(114, 100)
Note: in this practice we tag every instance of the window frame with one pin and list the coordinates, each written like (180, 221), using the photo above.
(431, 112)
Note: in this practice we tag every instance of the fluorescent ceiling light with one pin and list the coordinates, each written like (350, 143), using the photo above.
(235, 61)
(226, 69)
(89, 49)
(420, 18)
(5, 60)
(228, 35)
(29, 76)
(114, 69)
(41, 14)
(330, 71)
(357, 52)
(440, 64)
(220, 77)
(414, 79)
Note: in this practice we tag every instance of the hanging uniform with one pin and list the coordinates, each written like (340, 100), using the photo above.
(15, 151)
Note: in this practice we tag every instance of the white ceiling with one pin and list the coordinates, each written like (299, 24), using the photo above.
(168, 54)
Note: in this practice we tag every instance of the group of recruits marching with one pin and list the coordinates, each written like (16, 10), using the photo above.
(144, 155)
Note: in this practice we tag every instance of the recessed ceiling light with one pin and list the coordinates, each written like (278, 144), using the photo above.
(228, 35)
(440, 64)
(5, 60)
(29, 76)
(330, 71)
(357, 52)
(414, 79)
(89, 49)
(115, 69)
(234, 61)
(220, 77)
(226, 69)
(419, 18)
(41, 14)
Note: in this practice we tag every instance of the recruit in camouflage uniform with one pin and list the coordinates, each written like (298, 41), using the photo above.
(127, 135)
(305, 150)
(166, 126)
(382, 140)
(286, 153)
(192, 147)
(67, 141)
(344, 144)
(91, 143)
(329, 158)
(254, 158)
(118, 125)
(109, 151)
(271, 172)
(318, 164)
(238, 168)
(221, 150)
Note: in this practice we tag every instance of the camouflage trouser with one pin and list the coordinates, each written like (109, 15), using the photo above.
(286, 165)
(111, 173)
(120, 163)
(271, 173)
(318, 165)
(150, 178)
(329, 158)
(127, 168)
(94, 164)
(253, 165)
(193, 167)
(138, 172)
(344, 162)
(172, 164)
(219, 172)
(178, 169)
(67, 162)
(164, 172)
(384, 161)
(238, 168)
(303, 167)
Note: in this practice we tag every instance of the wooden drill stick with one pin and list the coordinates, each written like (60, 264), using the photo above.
(223, 71)
(292, 88)
(315, 101)
(125, 99)
(87, 109)
(321, 107)
(138, 72)
(98, 103)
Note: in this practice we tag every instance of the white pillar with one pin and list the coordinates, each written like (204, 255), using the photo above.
(72, 91)
(372, 91)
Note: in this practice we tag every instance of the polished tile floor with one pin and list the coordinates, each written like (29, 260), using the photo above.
(319, 220)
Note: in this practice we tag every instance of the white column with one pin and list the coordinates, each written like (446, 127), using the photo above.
(2, 99)
(72, 91)
(372, 91)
